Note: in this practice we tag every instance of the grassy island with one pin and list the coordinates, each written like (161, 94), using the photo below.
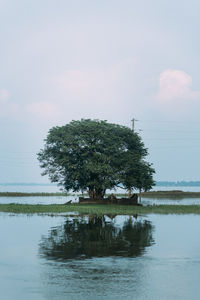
(99, 209)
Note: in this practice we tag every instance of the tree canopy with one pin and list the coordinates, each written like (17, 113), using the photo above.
(93, 156)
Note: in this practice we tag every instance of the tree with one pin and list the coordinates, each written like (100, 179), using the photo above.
(93, 156)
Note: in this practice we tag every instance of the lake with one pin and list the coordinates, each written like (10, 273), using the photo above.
(63, 199)
(74, 198)
(108, 257)
(55, 189)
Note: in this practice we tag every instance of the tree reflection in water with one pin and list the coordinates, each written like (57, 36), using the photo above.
(97, 237)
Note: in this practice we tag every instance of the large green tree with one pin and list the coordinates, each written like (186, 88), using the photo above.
(93, 156)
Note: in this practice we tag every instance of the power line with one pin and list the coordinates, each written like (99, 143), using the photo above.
(173, 139)
(172, 121)
(170, 130)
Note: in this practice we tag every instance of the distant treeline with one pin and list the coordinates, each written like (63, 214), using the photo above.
(178, 183)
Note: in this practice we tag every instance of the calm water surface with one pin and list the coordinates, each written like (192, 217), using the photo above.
(55, 188)
(74, 198)
(64, 199)
(112, 257)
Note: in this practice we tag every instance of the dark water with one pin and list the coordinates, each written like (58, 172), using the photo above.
(112, 257)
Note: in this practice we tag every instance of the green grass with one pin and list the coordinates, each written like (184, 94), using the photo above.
(175, 194)
(100, 209)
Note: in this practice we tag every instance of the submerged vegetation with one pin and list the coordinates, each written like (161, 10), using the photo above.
(100, 209)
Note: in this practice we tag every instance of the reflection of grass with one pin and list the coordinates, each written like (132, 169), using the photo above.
(100, 209)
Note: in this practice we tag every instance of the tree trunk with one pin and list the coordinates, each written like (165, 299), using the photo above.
(99, 194)
(140, 198)
(91, 193)
(96, 194)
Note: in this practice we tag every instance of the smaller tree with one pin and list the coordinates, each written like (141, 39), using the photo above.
(138, 175)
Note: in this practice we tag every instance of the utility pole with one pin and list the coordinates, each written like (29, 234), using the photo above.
(133, 128)
(133, 124)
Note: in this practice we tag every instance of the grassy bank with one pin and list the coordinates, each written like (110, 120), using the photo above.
(21, 194)
(175, 194)
(100, 209)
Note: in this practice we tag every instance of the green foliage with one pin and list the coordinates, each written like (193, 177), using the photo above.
(93, 156)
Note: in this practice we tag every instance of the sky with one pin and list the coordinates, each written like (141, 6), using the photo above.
(111, 59)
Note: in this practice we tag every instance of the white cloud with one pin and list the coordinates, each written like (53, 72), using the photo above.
(4, 95)
(8, 108)
(176, 84)
(95, 92)
(85, 83)
(97, 86)
(44, 110)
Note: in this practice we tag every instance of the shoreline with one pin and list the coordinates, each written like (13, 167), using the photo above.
(35, 194)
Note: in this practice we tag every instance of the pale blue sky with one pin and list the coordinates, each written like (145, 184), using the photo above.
(113, 60)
